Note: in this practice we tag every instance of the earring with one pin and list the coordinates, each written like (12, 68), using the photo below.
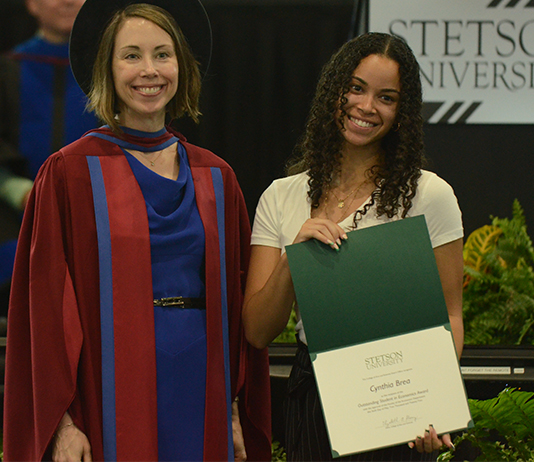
(396, 129)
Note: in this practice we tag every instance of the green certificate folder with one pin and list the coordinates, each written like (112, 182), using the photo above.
(379, 336)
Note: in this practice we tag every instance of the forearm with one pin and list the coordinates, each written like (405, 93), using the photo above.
(266, 312)
(457, 327)
(449, 259)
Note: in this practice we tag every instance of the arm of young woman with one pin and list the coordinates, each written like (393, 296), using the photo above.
(269, 294)
(450, 262)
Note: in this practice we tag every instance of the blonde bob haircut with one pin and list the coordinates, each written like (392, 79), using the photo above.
(103, 97)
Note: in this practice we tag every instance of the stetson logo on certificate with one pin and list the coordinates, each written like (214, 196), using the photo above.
(379, 337)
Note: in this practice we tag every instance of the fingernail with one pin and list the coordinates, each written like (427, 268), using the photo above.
(453, 447)
(427, 431)
(338, 241)
(344, 236)
(333, 245)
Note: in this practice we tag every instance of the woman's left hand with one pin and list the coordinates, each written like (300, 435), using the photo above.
(240, 454)
(431, 442)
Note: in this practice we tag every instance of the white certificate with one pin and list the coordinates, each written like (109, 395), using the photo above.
(387, 392)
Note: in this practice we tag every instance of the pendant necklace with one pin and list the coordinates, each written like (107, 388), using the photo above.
(153, 161)
(343, 214)
(341, 202)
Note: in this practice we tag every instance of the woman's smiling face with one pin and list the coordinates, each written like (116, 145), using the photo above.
(145, 73)
(372, 102)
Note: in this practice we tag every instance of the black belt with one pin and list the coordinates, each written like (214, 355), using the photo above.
(181, 302)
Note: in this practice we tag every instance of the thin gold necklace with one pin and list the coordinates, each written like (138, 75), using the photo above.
(153, 161)
(341, 202)
(344, 215)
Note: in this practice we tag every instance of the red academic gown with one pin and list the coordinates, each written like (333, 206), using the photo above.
(54, 350)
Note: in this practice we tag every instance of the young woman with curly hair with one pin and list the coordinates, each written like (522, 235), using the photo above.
(359, 164)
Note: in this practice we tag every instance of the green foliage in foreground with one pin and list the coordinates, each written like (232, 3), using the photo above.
(503, 430)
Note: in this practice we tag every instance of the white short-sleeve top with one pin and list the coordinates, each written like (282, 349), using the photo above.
(284, 207)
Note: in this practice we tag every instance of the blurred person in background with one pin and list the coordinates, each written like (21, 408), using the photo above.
(41, 109)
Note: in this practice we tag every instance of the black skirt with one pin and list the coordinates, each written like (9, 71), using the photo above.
(306, 435)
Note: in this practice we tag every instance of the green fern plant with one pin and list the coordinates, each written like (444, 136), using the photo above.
(499, 283)
(503, 430)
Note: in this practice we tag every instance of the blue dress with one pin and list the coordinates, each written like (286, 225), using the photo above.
(177, 251)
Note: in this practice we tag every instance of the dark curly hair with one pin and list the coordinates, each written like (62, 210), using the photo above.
(319, 150)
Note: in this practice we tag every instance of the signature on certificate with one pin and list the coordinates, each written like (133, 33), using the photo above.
(399, 421)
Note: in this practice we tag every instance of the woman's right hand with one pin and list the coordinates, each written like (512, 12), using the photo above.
(71, 445)
(324, 230)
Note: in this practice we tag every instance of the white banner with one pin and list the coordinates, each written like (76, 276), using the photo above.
(476, 56)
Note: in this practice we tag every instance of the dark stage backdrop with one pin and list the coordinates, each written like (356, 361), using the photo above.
(266, 60)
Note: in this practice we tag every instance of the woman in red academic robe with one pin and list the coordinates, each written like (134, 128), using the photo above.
(124, 335)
